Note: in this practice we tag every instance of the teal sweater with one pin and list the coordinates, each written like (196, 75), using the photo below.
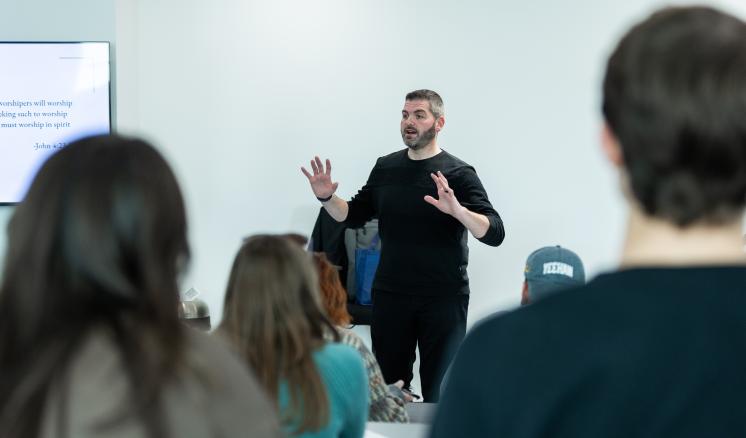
(343, 373)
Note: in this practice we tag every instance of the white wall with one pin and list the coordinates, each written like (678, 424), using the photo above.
(239, 94)
(52, 20)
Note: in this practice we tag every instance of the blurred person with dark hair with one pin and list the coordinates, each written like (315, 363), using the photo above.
(90, 340)
(386, 403)
(656, 348)
(274, 318)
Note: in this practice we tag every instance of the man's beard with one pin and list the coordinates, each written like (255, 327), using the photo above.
(420, 141)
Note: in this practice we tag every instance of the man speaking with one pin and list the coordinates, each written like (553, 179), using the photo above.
(425, 200)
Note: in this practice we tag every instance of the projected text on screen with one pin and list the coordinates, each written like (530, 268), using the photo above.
(50, 94)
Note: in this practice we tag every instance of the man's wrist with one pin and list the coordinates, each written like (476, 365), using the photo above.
(461, 213)
(328, 198)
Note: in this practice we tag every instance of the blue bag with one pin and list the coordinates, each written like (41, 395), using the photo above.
(366, 262)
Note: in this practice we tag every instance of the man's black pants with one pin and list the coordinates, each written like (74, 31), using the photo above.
(402, 322)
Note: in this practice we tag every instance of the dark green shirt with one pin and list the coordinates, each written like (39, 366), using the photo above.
(653, 352)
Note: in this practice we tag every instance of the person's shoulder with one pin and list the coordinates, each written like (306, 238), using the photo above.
(215, 370)
(339, 358)
(348, 337)
(566, 316)
(207, 374)
(224, 383)
(557, 304)
(556, 314)
(342, 366)
(210, 360)
(596, 316)
(201, 345)
(339, 354)
(453, 160)
(454, 165)
(393, 158)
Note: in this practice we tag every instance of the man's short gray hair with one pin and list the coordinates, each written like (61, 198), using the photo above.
(433, 98)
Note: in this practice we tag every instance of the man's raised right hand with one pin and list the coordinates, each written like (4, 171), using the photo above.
(321, 180)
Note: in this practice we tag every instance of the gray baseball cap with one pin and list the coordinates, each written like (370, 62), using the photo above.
(550, 269)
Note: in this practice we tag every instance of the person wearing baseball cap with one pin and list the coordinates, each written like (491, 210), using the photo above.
(550, 269)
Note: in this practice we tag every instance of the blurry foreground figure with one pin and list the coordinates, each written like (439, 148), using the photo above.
(90, 340)
(655, 348)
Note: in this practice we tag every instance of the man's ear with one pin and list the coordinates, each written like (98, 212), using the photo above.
(524, 294)
(610, 146)
(440, 123)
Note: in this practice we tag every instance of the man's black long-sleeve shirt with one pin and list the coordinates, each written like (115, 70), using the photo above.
(423, 251)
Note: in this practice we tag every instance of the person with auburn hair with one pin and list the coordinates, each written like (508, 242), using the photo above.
(90, 339)
(386, 403)
(274, 318)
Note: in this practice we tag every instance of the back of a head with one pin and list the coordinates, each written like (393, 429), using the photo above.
(196, 314)
(674, 98)
(99, 241)
(271, 276)
(333, 294)
(551, 269)
(297, 238)
(273, 316)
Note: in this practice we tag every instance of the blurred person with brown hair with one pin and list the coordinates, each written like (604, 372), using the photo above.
(274, 318)
(656, 347)
(386, 402)
(90, 339)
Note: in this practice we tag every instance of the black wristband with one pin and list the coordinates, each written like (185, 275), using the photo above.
(325, 199)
